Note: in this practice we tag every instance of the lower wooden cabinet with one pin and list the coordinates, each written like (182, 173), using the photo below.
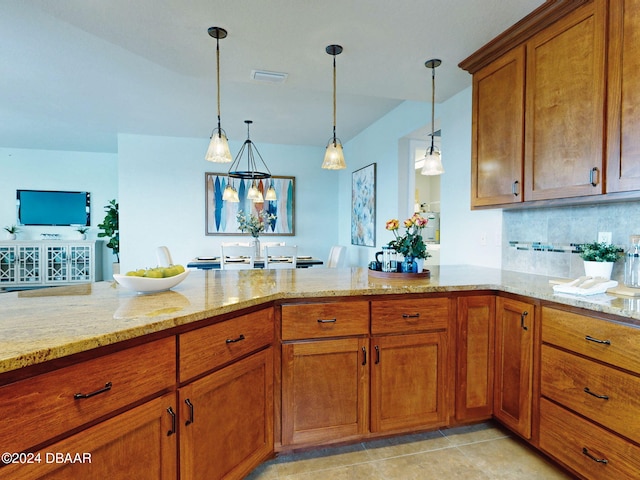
(408, 381)
(325, 390)
(140, 443)
(513, 385)
(475, 336)
(226, 420)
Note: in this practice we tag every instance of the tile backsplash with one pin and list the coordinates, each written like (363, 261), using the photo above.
(540, 240)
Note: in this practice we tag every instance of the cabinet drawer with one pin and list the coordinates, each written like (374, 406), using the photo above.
(321, 320)
(580, 384)
(42, 407)
(209, 347)
(578, 443)
(402, 316)
(600, 339)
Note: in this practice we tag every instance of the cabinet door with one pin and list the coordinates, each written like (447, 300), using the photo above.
(325, 386)
(623, 160)
(29, 264)
(226, 420)
(80, 261)
(408, 385)
(56, 269)
(8, 260)
(140, 443)
(498, 131)
(475, 357)
(565, 106)
(514, 364)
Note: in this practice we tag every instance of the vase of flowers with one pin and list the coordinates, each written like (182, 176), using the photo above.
(410, 245)
(255, 225)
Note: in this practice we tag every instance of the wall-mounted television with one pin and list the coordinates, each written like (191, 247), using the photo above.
(55, 208)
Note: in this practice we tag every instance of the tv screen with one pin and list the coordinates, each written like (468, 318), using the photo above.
(42, 207)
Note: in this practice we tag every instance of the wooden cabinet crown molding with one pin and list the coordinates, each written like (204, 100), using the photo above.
(538, 20)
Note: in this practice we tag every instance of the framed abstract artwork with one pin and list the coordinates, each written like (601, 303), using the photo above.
(221, 214)
(363, 206)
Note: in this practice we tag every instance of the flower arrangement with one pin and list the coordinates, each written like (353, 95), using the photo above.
(254, 224)
(599, 252)
(411, 243)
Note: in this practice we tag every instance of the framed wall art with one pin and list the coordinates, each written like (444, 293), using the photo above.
(363, 206)
(221, 214)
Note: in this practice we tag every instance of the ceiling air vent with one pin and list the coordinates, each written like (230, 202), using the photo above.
(268, 77)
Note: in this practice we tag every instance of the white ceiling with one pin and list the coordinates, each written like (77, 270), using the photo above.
(75, 73)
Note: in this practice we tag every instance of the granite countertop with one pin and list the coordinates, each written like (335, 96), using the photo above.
(45, 324)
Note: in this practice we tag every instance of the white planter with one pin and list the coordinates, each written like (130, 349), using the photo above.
(598, 269)
(11, 236)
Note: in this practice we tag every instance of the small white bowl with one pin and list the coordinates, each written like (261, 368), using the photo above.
(149, 285)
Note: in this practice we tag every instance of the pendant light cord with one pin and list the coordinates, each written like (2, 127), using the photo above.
(433, 100)
(334, 99)
(218, 84)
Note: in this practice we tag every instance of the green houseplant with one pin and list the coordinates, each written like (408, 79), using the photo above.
(599, 258)
(110, 228)
(12, 230)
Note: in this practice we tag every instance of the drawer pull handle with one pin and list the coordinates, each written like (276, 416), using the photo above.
(190, 405)
(234, 340)
(593, 177)
(173, 421)
(106, 388)
(585, 451)
(377, 354)
(603, 397)
(591, 339)
(364, 356)
(523, 315)
(327, 320)
(515, 188)
(410, 315)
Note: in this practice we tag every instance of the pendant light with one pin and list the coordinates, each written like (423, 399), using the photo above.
(249, 170)
(218, 150)
(333, 156)
(432, 159)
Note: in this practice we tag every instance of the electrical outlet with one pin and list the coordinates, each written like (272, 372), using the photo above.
(604, 237)
(483, 238)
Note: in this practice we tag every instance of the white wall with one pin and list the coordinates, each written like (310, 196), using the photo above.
(57, 170)
(162, 198)
(466, 236)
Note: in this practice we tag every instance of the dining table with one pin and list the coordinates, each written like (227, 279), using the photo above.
(213, 263)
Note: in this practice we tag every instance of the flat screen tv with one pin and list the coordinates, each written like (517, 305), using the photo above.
(43, 207)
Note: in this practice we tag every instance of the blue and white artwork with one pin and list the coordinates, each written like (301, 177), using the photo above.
(363, 206)
(221, 214)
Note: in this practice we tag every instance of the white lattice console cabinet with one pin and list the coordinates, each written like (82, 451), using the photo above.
(48, 263)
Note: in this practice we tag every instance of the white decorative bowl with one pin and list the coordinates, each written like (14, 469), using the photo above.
(149, 285)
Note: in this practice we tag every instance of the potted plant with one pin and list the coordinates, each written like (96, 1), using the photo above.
(599, 258)
(12, 230)
(111, 231)
(410, 245)
(82, 230)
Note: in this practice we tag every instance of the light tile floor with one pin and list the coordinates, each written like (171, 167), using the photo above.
(478, 452)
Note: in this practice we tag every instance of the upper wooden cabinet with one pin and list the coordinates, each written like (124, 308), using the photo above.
(581, 84)
(623, 145)
(498, 131)
(564, 112)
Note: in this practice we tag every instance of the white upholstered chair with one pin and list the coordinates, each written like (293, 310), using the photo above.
(337, 257)
(231, 254)
(164, 257)
(275, 255)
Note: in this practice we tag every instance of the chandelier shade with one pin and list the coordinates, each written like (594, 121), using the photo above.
(218, 150)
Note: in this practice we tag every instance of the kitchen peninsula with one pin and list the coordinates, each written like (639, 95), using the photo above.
(97, 368)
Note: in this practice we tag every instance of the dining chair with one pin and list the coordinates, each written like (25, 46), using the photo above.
(337, 257)
(164, 257)
(263, 245)
(237, 257)
(280, 256)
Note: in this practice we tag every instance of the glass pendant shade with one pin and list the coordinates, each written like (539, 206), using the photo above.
(253, 193)
(333, 156)
(218, 151)
(432, 163)
(227, 194)
(271, 193)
